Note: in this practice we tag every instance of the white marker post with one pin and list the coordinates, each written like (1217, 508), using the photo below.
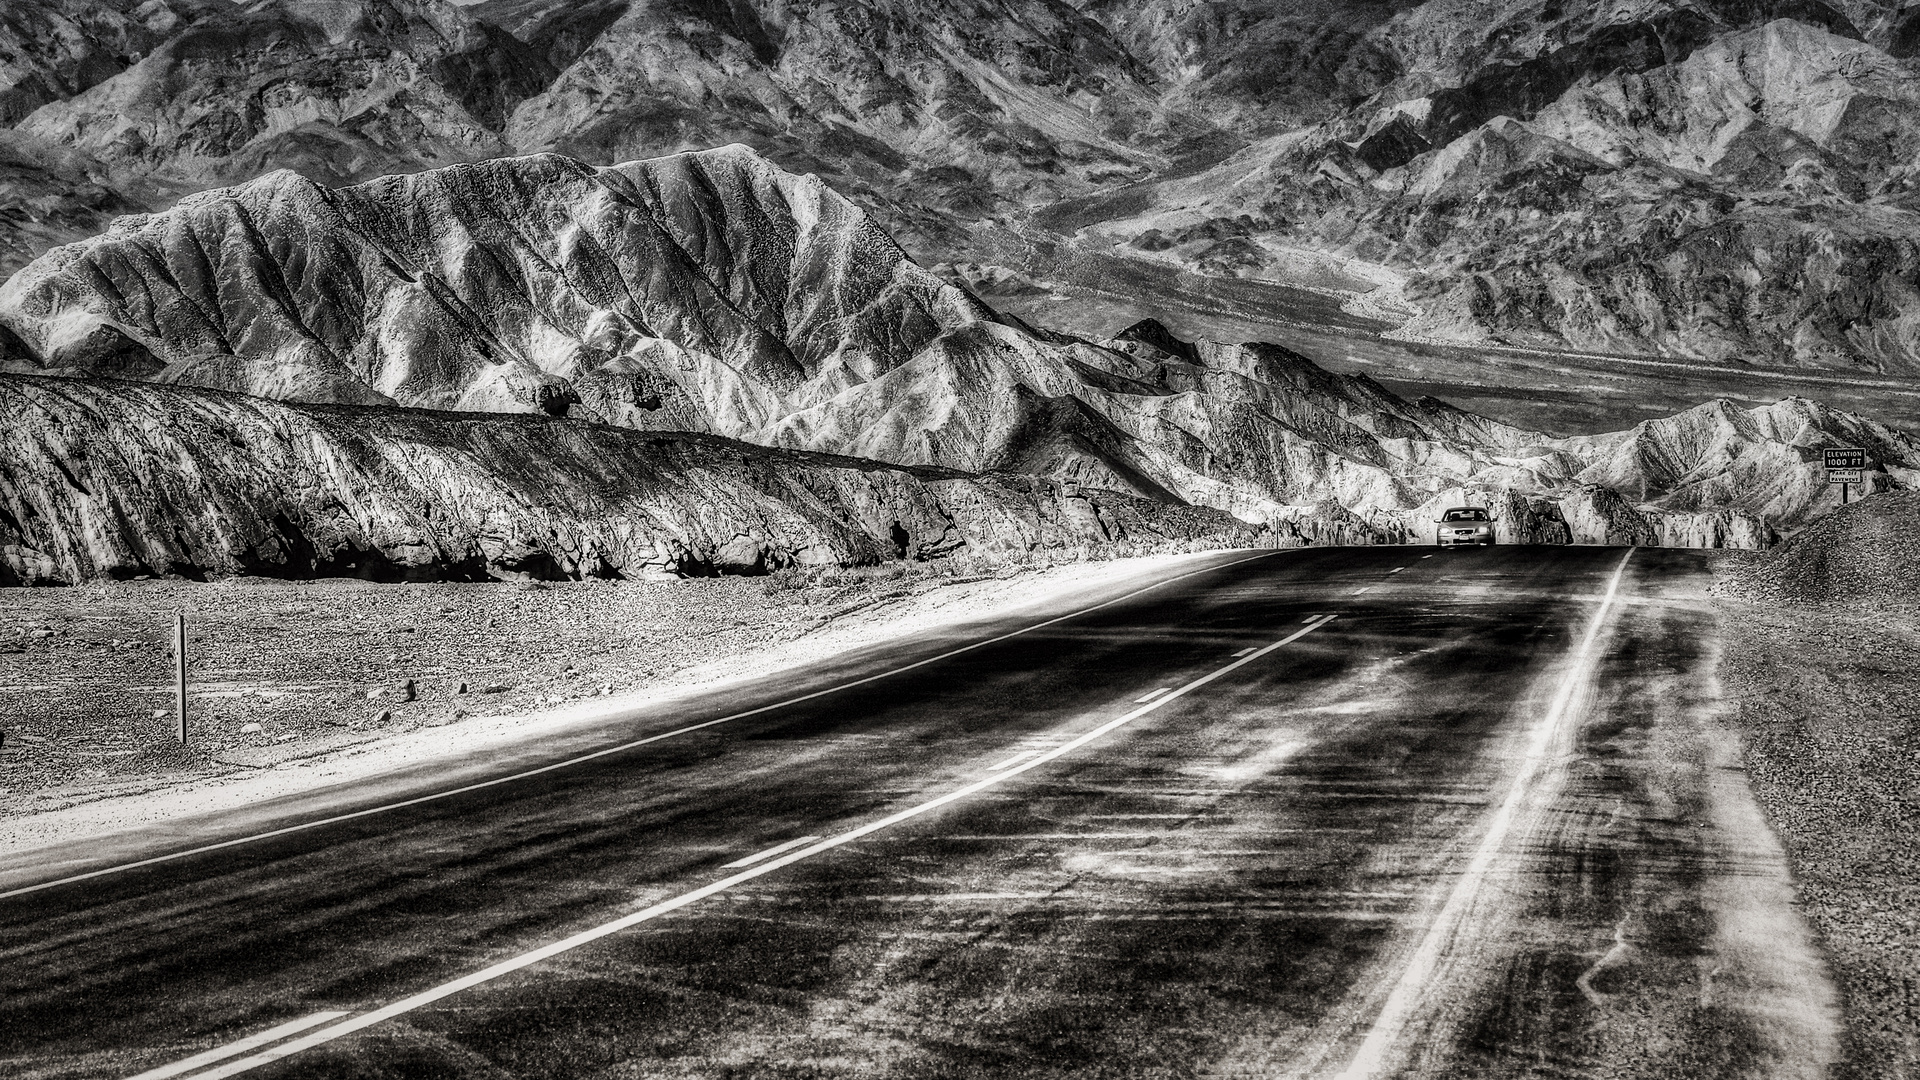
(180, 675)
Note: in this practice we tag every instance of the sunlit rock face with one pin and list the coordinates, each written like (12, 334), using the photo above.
(121, 479)
(703, 292)
(714, 292)
(1726, 181)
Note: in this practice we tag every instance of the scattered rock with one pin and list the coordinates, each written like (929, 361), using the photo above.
(249, 729)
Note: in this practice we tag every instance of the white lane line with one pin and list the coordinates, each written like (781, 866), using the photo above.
(505, 967)
(1395, 570)
(1151, 694)
(1361, 589)
(1426, 556)
(1246, 650)
(623, 746)
(769, 853)
(1012, 761)
(1370, 1059)
(222, 1053)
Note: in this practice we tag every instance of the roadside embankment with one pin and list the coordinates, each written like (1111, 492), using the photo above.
(1823, 661)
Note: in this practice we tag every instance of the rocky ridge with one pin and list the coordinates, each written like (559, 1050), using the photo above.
(715, 292)
(109, 479)
(1728, 182)
(1725, 180)
(341, 91)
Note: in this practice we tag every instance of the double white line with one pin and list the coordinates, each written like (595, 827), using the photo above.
(761, 869)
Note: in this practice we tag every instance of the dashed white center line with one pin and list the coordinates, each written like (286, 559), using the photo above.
(568, 944)
(1426, 556)
(1395, 570)
(1151, 694)
(1246, 650)
(221, 1053)
(769, 853)
(1361, 589)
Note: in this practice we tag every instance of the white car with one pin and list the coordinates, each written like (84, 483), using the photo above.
(1464, 525)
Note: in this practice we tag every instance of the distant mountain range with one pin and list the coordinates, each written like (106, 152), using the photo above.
(1728, 180)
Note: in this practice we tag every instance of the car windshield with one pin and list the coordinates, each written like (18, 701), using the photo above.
(1465, 515)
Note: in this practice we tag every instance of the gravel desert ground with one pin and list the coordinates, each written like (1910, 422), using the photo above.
(294, 684)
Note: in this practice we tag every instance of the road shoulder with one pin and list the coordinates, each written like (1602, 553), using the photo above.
(320, 754)
(1828, 704)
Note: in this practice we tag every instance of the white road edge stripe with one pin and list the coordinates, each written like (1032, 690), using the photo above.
(221, 1053)
(1370, 1058)
(505, 967)
(1151, 694)
(769, 853)
(305, 825)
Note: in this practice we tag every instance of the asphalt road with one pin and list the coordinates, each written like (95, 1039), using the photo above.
(1392, 813)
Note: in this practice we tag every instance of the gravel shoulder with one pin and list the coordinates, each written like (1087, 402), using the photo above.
(1828, 704)
(298, 685)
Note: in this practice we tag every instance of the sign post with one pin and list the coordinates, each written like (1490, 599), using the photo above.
(1846, 466)
(180, 675)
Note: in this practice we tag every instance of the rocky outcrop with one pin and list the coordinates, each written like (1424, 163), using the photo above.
(50, 197)
(1763, 464)
(701, 292)
(120, 479)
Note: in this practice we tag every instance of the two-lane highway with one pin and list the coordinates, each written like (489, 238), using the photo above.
(1333, 812)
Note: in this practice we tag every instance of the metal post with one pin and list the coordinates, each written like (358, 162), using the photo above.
(180, 676)
(1843, 492)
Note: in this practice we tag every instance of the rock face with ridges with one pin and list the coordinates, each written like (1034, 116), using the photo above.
(701, 292)
(108, 479)
(714, 292)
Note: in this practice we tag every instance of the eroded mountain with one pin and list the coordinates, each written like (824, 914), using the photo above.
(1729, 182)
(1725, 180)
(715, 292)
(340, 91)
(121, 479)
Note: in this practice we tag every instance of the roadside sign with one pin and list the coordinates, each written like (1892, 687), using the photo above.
(1845, 466)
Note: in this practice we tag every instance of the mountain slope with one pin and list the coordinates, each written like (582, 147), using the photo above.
(714, 292)
(1727, 181)
(120, 479)
(340, 91)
